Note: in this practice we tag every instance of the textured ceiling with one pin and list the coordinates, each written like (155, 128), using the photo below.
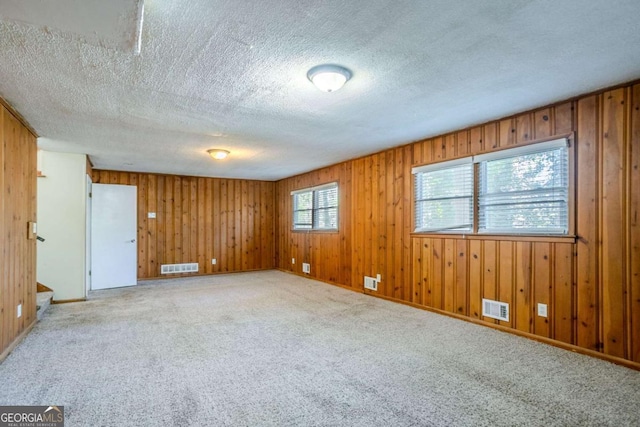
(110, 24)
(232, 74)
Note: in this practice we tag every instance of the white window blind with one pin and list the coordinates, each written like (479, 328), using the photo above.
(525, 192)
(303, 210)
(326, 208)
(444, 196)
(316, 208)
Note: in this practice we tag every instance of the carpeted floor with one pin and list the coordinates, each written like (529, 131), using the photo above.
(273, 349)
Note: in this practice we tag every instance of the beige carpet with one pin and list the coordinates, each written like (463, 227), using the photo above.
(273, 349)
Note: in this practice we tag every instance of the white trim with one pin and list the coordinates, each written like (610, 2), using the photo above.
(526, 232)
(521, 151)
(316, 188)
(442, 165)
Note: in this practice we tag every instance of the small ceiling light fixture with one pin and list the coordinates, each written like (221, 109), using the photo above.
(328, 77)
(218, 153)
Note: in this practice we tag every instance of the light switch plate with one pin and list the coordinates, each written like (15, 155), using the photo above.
(19, 310)
(214, 261)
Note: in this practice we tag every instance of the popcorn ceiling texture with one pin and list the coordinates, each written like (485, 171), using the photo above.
(110, 24)
(232, 75)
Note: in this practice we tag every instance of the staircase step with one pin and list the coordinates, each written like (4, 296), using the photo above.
(43, 300)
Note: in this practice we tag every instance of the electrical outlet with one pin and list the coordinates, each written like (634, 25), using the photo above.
(293, 260)
(19, 310)
(213, 261)
(542, 310)
(151, 215)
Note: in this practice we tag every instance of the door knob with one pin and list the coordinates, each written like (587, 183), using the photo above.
(132, 241)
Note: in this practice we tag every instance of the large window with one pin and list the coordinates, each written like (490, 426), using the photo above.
(444, 196)
(316, 208)
(523, 190)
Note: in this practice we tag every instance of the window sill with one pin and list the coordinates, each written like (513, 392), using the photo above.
(315, 231)
(505, 237)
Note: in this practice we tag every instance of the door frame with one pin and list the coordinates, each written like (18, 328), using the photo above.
(87, 272)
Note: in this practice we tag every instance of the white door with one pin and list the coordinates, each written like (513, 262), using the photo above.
(113, 236)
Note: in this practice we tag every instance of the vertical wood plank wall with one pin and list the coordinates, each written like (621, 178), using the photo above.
(591, 285)
(17, 208)
(198, 219)
(329, 253)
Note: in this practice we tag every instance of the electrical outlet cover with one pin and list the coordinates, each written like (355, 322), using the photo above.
(542, 310)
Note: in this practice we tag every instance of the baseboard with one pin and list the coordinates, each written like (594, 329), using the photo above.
(306, 276)
(15, 342)
(66, 301)
(182, 276)
(565, 346)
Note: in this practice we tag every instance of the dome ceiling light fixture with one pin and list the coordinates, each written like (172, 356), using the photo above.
(218, 153)
(328, 77)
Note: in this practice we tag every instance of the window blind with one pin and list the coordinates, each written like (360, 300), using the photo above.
(525, 193)
(316, 208)
(303, 210)
(326, 208)
(444, 197)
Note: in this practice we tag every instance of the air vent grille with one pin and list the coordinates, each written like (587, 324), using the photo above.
(179, 268)
(495, 309)
(370, 283)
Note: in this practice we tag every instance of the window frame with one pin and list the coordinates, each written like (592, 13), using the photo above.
(506, 152)
(436, 167)
(315, 209)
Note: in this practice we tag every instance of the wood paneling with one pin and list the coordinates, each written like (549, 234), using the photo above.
(328, 253)
(198, 219)
(634, 225)
(17, 209)
(613, 217)
(587, 225)
(591, 286)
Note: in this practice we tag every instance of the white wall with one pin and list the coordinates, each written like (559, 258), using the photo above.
(62, 222)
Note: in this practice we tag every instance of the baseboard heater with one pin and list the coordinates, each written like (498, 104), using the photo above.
(179, 268)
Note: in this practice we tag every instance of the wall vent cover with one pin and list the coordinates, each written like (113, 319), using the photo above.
(306, 268)
(495, 309)
(179, 268)
(370, 283)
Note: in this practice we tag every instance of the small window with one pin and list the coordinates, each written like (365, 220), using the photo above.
(316, 208)
(444, 196)
(525, 192)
